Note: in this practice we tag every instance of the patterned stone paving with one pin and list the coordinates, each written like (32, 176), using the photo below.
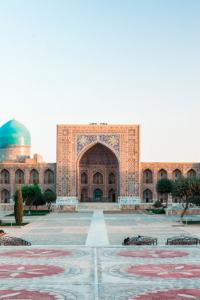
(154, 253)
(46, 273)
(160, 227)
(179, 294)
(55, 228)
(56, 267)
(63, 272)
(24, 294)
(126, 273)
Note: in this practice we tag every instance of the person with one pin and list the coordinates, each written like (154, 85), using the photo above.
(126, 241)
(139, 238)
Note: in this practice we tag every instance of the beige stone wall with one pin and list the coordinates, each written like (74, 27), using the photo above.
(74, 140)
(155, 167)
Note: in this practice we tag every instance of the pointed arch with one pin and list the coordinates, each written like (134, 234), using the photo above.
(5, 176)
(97, 178)
(147, 176)
(84, 194)
(191, 173)
(111, 195)
(147, 196)
(49, 177)
(19, 177)
(176, 174)
(162, 174)
(101, 165)
(34, 177)
(92, 145)
(84, 178)
(5, 196)
(111, 178)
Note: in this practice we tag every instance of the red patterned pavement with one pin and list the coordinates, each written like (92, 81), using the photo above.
(182, 294)
(28, 271)
(165, 270)
(37, 253)
(153, 253)
(25, 295)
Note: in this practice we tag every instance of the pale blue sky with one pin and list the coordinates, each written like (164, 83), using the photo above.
(104, 61)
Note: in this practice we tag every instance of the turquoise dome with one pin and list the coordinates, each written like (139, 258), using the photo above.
(14, 133)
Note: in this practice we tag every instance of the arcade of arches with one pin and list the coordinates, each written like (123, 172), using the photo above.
(98, 175)
(154, 172)
(11, 178)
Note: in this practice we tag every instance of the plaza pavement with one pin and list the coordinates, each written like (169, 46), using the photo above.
(79, 256)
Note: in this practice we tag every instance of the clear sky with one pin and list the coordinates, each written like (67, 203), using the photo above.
(109, 61)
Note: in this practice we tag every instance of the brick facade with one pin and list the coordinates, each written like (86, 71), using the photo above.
(73, 141)
(172, 171)
(9, 184)
(85, 150)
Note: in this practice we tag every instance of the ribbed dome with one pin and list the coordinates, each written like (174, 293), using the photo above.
(14, 133)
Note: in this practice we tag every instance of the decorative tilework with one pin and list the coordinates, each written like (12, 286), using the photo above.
(111, 140)
(72, 140)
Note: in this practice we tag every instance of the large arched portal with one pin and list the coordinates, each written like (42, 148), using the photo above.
(100, 166)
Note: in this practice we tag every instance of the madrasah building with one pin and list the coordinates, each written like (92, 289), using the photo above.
(95, 163)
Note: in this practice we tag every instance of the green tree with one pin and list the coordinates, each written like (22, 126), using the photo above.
(32, 195)
(187, 190)
(18, 207)
(164, 186)
(38, 198)
(49, 197)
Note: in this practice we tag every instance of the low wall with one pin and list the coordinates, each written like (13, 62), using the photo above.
(6, 207)
(141, 206)
(64, 208)
(191, 211)
(10, 207)
(39, 207)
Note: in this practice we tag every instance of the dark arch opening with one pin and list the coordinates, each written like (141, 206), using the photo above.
(48, 177)
(98, 162)
(176, 174)
(191, 173)
(19, 177)
(34, 177)
(5, 176)
(147, 196)
(5, 196)
(111, 195)
(84, 178)
(147, 176)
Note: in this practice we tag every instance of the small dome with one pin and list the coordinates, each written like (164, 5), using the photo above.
(14, 133)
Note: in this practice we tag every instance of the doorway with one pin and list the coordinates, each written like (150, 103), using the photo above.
(98, 195)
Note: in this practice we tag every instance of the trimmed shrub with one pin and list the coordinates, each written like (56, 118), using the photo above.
(19, 208)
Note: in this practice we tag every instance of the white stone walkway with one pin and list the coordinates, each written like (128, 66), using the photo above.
(97, 234)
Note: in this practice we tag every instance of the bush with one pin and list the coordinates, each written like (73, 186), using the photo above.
(157, 211)
(158, 204)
